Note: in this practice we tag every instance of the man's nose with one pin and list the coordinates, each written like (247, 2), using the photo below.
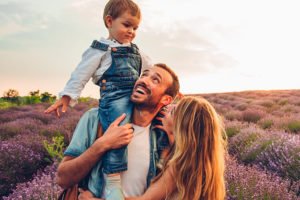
(145, 80)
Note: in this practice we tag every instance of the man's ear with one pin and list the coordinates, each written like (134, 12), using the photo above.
(166, 100)
(108, 21)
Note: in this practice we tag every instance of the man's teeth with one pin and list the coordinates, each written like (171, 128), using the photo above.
(140, 90)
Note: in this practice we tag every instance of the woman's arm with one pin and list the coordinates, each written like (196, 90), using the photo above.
(160, 189)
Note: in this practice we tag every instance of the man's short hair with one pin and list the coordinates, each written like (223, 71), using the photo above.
(173, 89)
(116, 8)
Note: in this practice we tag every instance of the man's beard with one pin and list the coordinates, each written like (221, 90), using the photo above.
(148, 103)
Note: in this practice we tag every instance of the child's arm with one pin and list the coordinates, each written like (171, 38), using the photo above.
(80, 76)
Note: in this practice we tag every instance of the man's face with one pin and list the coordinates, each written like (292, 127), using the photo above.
(151, 86)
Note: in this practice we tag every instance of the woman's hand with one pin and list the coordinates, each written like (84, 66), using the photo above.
(160, 125)
(86, 195)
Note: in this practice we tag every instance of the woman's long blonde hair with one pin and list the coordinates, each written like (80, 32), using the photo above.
(198, 160)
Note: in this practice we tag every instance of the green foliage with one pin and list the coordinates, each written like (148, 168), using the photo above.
(5, 104)
(11, 99)
(47, 97)
(293, 126)
(251, 156)
(31, 100)
(55, 149)
(243, 141)
(84, 99)
(265, 124)
(252, 116)
(232, 131)
(250, 139)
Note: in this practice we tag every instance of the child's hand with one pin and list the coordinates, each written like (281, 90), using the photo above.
(63, 102)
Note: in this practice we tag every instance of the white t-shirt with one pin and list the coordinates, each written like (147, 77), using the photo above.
(134, 180)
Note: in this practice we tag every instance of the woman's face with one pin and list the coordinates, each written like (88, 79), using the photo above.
(167, 121)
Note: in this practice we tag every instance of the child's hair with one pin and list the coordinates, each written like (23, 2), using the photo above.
(116, 8)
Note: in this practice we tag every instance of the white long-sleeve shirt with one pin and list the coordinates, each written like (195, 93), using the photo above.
(93, 64)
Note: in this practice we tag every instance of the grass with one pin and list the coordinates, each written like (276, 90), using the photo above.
(294, 126)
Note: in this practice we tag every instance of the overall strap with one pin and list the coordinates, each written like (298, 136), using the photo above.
(134, 45)
(137, 51)
(99, 45)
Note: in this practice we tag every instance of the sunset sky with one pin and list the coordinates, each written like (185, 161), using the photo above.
(214, 46)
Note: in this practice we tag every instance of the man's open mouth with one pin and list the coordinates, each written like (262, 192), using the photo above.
(141, 89)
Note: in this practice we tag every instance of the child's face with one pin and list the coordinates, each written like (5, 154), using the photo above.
(123, 28)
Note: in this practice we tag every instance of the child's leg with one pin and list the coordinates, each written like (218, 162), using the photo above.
(115, 160)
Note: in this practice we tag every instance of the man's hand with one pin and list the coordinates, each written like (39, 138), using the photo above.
(117, 136)
(63, 102)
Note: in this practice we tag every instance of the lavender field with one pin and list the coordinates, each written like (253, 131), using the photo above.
(263, 129)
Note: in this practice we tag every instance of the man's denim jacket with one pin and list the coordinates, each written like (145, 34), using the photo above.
(84, 136)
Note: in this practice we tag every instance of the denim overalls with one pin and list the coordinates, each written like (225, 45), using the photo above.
(116, 86)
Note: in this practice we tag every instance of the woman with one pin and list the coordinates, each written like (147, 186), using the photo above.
(195, 168)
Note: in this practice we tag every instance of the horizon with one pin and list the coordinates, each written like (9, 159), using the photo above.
(188, 94)
(214, 47)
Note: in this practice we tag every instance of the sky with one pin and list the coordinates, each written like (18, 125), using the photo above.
(213, 46)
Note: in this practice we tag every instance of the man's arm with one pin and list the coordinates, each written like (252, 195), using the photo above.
(73, 169)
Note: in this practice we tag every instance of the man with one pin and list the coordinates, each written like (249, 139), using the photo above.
(156, 88)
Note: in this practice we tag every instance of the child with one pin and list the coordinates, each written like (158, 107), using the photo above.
(114, 64)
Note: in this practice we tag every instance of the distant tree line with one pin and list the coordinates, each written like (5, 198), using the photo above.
(11, 97)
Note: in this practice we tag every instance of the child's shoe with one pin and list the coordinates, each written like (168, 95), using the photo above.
(113, 189)
(114, 194)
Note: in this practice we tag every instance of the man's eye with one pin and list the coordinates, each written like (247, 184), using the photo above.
(156, 80)
(126, 25)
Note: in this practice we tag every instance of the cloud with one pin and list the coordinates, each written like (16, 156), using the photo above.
(16, 17)
(90, 10)
(187, 49)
